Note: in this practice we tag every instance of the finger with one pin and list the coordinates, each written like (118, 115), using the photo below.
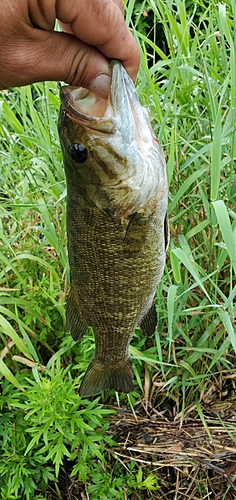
(111, 36)
(67, 28)
(56, 56)
(120, 5)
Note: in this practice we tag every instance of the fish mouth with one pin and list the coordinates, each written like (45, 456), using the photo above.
(120, 111)
(89, 109)
(83, 102)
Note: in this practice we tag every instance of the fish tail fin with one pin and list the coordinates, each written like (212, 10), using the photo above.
(100, 377)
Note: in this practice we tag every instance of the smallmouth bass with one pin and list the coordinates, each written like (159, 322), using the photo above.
(116, 224)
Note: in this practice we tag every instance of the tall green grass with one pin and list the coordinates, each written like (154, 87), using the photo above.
(188, 84)
(190, 90)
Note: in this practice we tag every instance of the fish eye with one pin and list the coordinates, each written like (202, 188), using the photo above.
(78, 153)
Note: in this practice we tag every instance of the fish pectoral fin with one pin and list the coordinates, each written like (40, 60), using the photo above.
(149, 321)
(75, 323)
(136, 233)
(103, 376)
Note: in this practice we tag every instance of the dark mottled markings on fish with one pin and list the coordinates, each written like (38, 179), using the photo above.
(111, 155)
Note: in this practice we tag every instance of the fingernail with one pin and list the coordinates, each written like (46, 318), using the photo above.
(101, 85)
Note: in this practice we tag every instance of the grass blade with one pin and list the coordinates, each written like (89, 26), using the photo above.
(9, 375)
(226, 230)
(216, 156)
(189, 264)
(170, 310)
(8, 330)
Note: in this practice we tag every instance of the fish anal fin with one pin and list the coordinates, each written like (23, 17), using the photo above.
(75, 323)
(101, 377)
(149, 321)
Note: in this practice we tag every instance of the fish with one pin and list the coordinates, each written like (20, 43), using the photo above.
(117, 228)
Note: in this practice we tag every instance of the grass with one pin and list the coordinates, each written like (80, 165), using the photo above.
(187, 81)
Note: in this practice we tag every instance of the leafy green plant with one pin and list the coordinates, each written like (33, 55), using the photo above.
(149, 483)
(21, 475)
(44, 425)
(113, 484)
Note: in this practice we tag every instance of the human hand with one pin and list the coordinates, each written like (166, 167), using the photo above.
(31, 51)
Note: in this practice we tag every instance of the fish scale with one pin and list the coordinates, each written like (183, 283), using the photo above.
(114, 289)
(116, 226)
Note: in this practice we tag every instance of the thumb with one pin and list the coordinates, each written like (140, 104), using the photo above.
(50, 55)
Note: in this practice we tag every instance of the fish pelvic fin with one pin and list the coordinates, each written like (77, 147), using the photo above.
(75, 323)
(103, 376)
(149, 321)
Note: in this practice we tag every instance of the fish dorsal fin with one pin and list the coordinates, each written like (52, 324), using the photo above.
(75, 323)
(149, 321)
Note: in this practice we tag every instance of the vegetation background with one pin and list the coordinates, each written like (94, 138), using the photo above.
(186, 374)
